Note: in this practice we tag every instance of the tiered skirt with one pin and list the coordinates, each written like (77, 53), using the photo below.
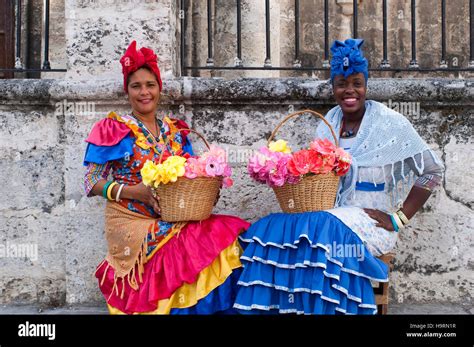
(306, 263)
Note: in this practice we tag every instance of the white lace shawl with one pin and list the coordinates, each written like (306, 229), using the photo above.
(385, 139)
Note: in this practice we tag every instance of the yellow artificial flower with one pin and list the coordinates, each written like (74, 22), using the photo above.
(172, 175)
(174, 167)
(149, 173)
(175, 161)
(153, 175)
(171, 169)
(279, 146)
(160, 176)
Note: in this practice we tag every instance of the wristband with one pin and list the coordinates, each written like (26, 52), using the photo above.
(395, 226)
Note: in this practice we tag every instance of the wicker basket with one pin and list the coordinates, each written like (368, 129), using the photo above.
(188, 199)
(312, 193)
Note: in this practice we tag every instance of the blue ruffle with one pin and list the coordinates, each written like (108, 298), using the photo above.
(219, 301)
(309, 263)
(103, 154)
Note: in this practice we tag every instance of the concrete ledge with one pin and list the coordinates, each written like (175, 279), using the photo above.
(209, 91)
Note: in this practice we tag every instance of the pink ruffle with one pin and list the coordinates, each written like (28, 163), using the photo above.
(179, 261)
(107, 132)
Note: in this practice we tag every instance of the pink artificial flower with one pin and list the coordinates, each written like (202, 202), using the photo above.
(323, 146)
(216, 152)
(227, 182)
(211, 164)
(304, 161)
(343, 164)
(257, 167)
(292, 179)
(328, 164)
(227, 171)
(214, 167)
(195, 167)
(327, 151)
(256, 163)
(189, 173)
(269, 167)
(278, 174)
(215, 160)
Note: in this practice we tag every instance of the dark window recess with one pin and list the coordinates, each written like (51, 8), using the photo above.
(24, 39)
(7, 51)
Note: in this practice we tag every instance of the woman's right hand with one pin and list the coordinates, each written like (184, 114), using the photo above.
(144, 194)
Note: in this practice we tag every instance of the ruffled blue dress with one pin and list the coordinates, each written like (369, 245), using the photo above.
(306, 263)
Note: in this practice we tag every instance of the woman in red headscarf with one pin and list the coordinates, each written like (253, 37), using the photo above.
(153, 266)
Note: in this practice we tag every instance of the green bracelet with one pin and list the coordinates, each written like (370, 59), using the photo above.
(104, 190)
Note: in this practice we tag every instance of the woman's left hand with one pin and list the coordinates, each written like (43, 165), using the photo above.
(383, 219)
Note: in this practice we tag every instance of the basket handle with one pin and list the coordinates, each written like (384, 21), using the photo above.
(184, 129)
(295, 114)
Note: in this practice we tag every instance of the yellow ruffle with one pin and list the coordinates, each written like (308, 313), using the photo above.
(176, 229)
(141, 140)
(208, 279)
(175, 146)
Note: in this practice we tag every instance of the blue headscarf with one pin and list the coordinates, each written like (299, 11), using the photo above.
(348, 59)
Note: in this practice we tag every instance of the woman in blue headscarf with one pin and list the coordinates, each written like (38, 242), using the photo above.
(387, 154)
(322, 262)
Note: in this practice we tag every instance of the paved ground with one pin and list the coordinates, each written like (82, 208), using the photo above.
(437, 308)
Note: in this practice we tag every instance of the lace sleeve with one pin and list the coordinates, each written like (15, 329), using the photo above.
(432, 173)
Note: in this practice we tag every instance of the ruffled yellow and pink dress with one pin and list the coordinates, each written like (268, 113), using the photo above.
(155, 267)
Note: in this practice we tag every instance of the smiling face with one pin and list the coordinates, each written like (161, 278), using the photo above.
(350, 93)
(143, 92)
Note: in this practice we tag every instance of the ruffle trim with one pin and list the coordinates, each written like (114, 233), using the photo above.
(220, 300)
(277, 240)
(102, 154)
(178, 262)
(187, 299)
(291, 266)
(107, 132)
(308, 290)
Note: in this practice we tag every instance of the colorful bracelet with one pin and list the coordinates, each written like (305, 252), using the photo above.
(109, 190)
(117, 197)
(398, 221)
(403, 217)
(395, 226)
(106, 187)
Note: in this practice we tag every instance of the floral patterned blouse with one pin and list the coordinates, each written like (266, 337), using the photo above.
(127, 169)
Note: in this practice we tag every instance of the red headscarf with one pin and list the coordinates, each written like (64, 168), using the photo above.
(132, 60)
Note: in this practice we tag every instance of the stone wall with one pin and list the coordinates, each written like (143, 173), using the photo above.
(44, 205)
(98, 32)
